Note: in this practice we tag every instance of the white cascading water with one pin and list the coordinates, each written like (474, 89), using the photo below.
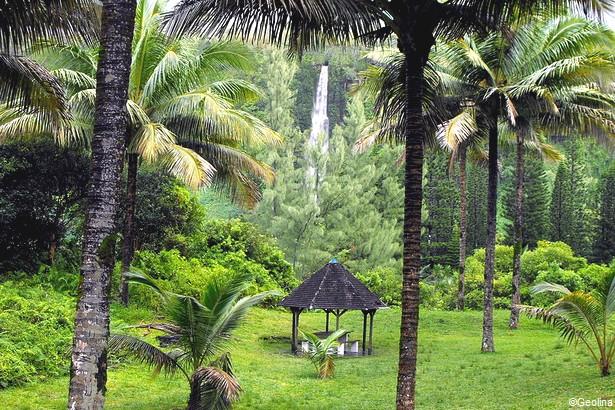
(320, 122)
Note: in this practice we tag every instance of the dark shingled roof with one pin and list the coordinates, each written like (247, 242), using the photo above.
(332, 287)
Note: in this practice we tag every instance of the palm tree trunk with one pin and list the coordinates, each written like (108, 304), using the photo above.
(414, 138)
(128, 246)
(513, 322)
(194, 401)
(492, 198)
(88, 373)
(604, 367)
(463, 224)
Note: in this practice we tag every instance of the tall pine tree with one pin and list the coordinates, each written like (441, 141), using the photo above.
(477, 209)
(535, 203)
(604, 248)
(441, 198)
(570, 219)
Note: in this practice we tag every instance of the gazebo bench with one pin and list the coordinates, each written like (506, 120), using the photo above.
(346, 347)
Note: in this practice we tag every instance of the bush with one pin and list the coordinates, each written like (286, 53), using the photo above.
(190, 276)
(167, 213)
(592, 275)
(220, 238)
(384, 282)
(554, 274)
(42, 188)
(439, 288)
(545, 256)
(36, 327)
(502, 282)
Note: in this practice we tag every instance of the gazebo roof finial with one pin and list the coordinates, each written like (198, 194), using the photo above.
(334, 260)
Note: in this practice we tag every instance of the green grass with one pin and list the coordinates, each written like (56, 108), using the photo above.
(532, 369)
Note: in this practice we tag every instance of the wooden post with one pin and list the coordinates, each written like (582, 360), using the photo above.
(371, 331)
(337, 319)
(293, 336)
(364, 329)
(327, 323)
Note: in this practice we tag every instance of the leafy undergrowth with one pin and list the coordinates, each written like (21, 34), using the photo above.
(35, 333)
(532, 369)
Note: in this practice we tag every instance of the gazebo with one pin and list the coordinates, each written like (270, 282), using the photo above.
(334, 290)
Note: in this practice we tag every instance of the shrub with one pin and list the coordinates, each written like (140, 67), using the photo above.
(36, 327)
(548, 254)
(167, 213)
(42, 188)
(502, 282)
(190, 276)
(554, 274)
(220, 238)
(593, 274)
(439, 288)
(384, 282)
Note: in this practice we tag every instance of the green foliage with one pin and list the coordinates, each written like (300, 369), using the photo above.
(549, 254)
(571, 214)
(386, 283)
(227, 240)
(604, 246)
(321, 352)
(172, 272)
(439, 288)
(553, 262)
(167, 213)
(441, 199)
(36, 331)
(219, 250)
(41, 192)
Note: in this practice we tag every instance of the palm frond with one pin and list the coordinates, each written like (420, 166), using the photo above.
(550, 287)
(320, 351)
(186, 164)
(143, 279)
(151, 141)
(23, 22)
(297, 23)
(213, 389)
(145, 352)
(25, 83)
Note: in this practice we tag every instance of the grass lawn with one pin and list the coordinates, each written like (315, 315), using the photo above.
(532, 369)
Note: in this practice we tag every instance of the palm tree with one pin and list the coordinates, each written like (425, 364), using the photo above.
(198, 330)
(88, 374)
(306, 23)
(23, 82)
(549, 87)
(321, 352)
(558, 77)
(446, 118)
(586, 317)
(512, 83)
(182, 113)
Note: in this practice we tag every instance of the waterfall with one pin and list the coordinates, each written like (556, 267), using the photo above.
(319, 135)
